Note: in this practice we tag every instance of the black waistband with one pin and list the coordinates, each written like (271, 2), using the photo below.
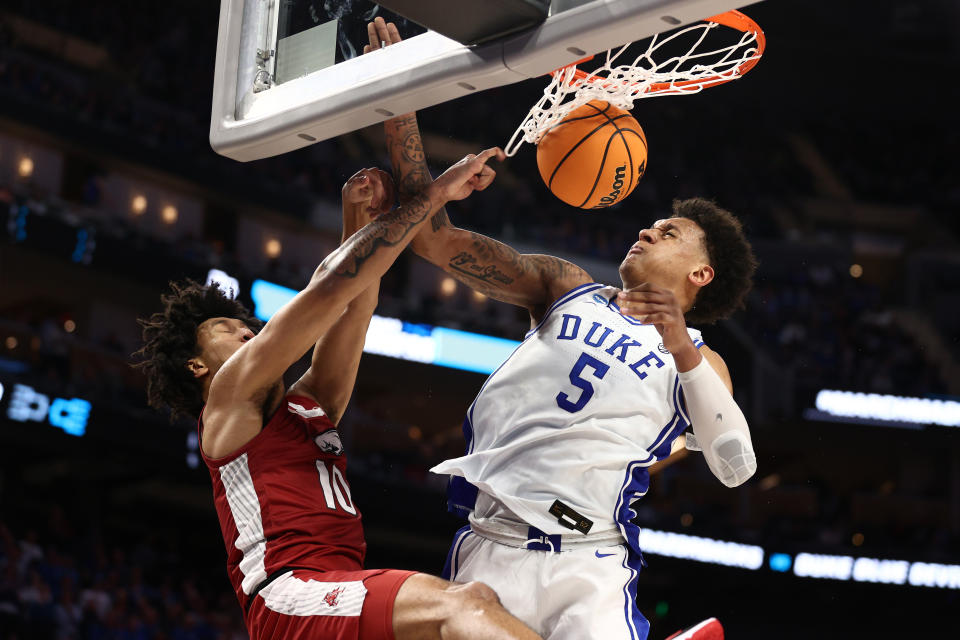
(270, 578)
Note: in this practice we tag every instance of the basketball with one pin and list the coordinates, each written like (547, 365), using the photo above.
(594, 157)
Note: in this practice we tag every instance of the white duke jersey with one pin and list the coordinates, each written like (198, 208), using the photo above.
(587, 402)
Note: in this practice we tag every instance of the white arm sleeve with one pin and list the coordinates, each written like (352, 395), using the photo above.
(719, 427)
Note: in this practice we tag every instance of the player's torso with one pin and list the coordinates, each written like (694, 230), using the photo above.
(589, 393)
(283, 499)
(584, 366)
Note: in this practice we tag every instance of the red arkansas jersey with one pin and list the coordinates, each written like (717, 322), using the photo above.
(283, 500)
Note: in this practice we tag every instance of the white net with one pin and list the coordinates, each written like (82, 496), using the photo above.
(697, 68)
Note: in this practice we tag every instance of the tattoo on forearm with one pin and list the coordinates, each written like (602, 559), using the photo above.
(405, 121)
(551, 268)
(467, 264)
(490, 250)
(439, 220)
(412, 179)
(412, 147)
(489, 261)
(491, 266)
(407, 156)
(387, 230)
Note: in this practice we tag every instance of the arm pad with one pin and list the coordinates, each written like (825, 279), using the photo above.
(719, 426)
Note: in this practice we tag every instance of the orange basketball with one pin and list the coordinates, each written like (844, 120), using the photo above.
(594, 157)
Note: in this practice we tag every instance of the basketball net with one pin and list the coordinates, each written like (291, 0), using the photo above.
(697, 69)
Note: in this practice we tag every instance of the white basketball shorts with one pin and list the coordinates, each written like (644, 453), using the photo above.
(585, 593)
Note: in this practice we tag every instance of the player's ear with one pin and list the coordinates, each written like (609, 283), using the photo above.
(197, 368)
(701, 276)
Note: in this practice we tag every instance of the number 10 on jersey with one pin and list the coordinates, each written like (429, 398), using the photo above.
(335, 487)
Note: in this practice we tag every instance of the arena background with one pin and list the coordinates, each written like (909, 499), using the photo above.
(839, 152)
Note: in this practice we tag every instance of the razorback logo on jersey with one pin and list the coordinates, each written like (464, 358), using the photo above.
(303, 412)
(329, 442)
(333, 596)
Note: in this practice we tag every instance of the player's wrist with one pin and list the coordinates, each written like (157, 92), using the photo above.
(686, 356)
(436, 195)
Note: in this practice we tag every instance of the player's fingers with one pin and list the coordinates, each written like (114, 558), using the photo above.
(654, 318)
(643, 308)
(377, 190)
(357, 188)
(389, 192)
(485, 178)
(664, 318)
(383, 35)
(394, 33)
(372, 36)
(642, 296)
(359, 176)
(634, 295)
(493, 152)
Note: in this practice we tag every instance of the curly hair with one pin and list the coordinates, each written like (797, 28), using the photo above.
(170, 340)
(729, 254)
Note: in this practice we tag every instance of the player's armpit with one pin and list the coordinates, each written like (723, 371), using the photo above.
(227, 427)
(497, 269)
(336, 358)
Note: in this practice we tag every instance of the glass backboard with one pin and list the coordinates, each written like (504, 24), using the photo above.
(289, 72)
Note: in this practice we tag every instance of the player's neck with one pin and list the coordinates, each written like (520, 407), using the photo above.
(677, 289)
(684, 295)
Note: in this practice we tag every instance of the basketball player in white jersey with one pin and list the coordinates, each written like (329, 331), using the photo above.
(560, 437)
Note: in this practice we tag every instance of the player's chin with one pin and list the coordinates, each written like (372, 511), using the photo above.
(630, 268)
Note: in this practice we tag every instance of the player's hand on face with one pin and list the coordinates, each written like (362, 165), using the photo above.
(469, 175)
(659, 307)
(371, 190)
(381, 34)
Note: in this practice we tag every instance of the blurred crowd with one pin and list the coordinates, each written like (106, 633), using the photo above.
(836, 332)
(61, 582)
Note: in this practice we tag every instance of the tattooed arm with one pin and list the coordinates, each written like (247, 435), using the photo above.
(404, 144)
(486, 265)
(409, 163)
(495, 269)
(336, 356)
(342, 276)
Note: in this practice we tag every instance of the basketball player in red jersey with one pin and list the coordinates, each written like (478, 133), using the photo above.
(294, 539)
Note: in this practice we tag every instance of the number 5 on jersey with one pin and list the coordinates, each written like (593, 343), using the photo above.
(586, 389)
(335, 487)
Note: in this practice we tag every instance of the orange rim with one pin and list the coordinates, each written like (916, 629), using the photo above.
(733, 19)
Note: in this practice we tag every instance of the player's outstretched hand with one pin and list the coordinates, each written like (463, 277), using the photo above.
(371, 190)
(381, 33)
(659, 307)
(469, 175)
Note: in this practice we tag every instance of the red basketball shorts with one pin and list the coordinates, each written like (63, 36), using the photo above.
(334, 605)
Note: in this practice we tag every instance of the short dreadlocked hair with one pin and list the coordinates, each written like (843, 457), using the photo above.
(170, 340)
(729, 254)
